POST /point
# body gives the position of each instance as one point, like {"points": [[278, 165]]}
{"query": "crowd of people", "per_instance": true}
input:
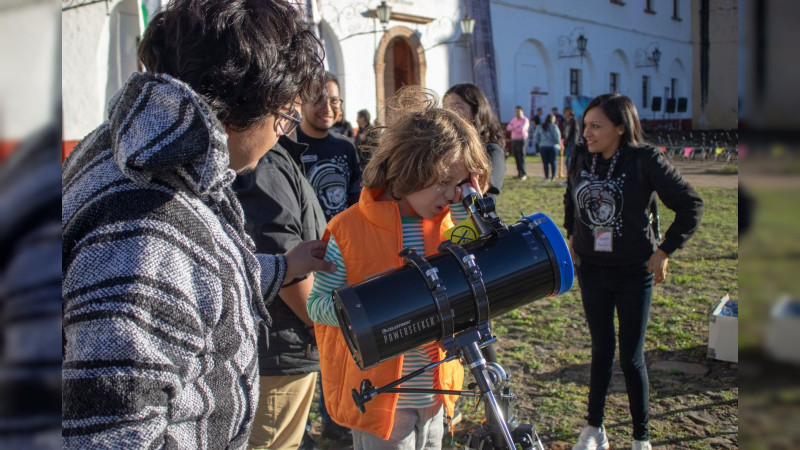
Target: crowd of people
{"points": [[553, 136], [207, 221]]}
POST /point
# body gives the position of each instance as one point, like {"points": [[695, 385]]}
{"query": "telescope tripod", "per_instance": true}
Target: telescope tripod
{"points": [[500, 429]]}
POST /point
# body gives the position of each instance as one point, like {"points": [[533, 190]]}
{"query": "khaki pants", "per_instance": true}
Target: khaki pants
{"points": [[282, 411]]}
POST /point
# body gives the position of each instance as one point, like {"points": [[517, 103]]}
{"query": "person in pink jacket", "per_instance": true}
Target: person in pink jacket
{"points": [[519, 134]]}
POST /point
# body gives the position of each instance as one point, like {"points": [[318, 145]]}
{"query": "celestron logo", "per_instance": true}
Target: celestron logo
{"points": [[407, 328]]}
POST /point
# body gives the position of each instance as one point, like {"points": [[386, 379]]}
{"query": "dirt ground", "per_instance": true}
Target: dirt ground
{"points": [[698, 173]]}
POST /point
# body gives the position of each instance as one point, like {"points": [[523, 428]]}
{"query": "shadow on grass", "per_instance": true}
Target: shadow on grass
{"points": [[706, 388], [682, 441], [673, 417], [707, 382]]}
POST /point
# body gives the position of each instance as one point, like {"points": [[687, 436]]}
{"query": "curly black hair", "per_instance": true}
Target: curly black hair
{"points": [[246, 58]]}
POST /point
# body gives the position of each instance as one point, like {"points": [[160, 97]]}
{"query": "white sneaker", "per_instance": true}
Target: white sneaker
{"points": [[641, 445], [592, 438]]}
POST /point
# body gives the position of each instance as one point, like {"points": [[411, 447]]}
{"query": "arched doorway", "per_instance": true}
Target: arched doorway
{"points": [[400, 62]]}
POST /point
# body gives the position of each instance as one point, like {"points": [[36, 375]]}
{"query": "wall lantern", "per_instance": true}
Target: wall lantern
{"points": [[648, 57], [656, 56], [581, 43], [573, 45], [467, 25], [384, 13]]}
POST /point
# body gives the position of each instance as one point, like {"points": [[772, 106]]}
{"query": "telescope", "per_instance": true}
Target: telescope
{"points": [[386, 316], [451, 297]]}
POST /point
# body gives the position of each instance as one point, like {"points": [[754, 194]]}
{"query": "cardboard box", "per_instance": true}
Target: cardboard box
{"points": [[783, 331], [723, 334]]}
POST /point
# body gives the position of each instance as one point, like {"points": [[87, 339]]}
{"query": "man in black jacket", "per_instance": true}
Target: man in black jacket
{"points": [[281, 209]]}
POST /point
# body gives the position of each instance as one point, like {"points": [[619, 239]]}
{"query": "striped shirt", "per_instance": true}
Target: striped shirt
{"points": [[321, 309]]}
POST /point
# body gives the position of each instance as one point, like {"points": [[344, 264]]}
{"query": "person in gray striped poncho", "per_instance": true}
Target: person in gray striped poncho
{"points": [[162, 293]]}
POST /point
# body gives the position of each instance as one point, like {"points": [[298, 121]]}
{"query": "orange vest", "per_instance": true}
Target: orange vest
{"points": [[370, 236]]}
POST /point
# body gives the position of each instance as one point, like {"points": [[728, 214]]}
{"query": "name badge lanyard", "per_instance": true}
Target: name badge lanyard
{"points": [[603, 236], [608, 176]]}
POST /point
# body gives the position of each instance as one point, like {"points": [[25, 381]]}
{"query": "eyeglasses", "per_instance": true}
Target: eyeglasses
{"points": [[291, 122], [335, 103]]}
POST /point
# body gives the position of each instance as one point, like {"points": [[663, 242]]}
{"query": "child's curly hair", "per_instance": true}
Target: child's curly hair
{"points": [[420, 142]]}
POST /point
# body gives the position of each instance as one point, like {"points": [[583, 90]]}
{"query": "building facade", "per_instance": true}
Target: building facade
{"points": [[640, 48], [99, 52], [418, 45], [533, 53], [715, 80]]}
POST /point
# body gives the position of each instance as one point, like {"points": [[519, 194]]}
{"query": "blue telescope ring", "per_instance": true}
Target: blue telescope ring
{"points": [[560, 249]]}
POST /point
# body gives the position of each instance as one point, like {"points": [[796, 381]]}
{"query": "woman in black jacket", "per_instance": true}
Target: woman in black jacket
{"points": [[619, 257], [470, 103]]}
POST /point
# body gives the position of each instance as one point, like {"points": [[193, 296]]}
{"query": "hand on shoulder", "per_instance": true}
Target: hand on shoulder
{"points": [[307, 257]]}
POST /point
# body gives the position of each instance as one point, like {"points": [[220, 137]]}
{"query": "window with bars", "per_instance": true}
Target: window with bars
{"points": [[574, 82], [613, 82]]}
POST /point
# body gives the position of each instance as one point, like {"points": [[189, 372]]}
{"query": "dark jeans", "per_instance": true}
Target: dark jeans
{"points": [[548, 160], [629, 290], [518, 150], [567, 156]]}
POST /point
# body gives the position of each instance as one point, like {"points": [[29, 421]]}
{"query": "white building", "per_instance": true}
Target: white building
{"points": [[99, 46], [534, 49], [536, 45], [421, 45]]}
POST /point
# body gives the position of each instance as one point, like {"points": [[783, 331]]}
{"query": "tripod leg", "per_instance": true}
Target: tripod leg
{"points": [[477, 365]]}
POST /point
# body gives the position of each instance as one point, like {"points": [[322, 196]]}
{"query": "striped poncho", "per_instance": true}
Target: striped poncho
{"points": [[162, 295]]}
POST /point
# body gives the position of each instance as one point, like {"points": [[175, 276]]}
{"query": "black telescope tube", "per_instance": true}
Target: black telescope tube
{"points": [[386, 316]]}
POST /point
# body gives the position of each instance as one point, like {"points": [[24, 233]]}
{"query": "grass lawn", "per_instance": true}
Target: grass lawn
{"points": [[546, 346]]}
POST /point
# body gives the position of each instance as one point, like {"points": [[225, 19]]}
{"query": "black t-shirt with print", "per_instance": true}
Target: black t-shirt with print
{"points": [[332, 167]]}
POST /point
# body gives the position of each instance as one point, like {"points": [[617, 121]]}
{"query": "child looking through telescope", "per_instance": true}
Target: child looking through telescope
{"points": [[413, 176]]}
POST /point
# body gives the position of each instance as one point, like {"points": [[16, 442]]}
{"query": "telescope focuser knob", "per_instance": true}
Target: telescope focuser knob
{"points": [[358, 401], [368, 391]]}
